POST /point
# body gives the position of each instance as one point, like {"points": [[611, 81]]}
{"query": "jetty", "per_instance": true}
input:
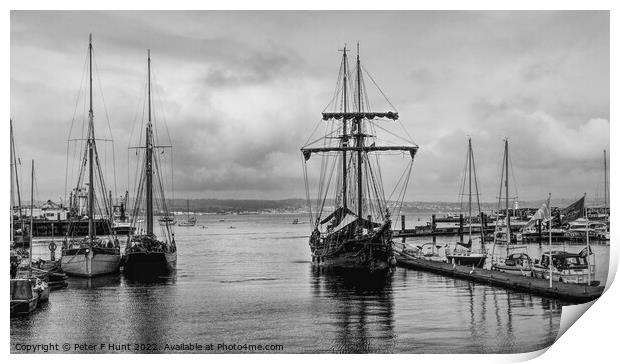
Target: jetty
{"points": [[573, 293], [431, 229]]}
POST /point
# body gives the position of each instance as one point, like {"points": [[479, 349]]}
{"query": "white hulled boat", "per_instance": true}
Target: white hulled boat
{"points": [[92, 255]]}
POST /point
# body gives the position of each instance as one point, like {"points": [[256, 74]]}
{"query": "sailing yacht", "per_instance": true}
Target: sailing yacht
{"points": [[27, 290], [466, 255], [191, 220], [92, 255], [503, 234], [357, 232], [19, 237], [148, 255]]}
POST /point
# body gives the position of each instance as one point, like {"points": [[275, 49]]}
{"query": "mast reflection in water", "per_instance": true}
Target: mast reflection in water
{"points": [[255, 284]]}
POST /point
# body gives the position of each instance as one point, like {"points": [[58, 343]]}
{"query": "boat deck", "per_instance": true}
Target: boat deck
{"points": [[574, 293]]}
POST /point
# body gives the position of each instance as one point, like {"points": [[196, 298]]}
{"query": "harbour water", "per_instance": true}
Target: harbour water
{"points": [[248, 280]]}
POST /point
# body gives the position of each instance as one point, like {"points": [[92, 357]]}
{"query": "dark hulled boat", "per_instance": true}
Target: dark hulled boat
{"points": [[358, 232], [147, 255]]}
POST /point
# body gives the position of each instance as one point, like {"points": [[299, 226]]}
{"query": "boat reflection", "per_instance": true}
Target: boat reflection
{"points": [[112, 280], [362, 309], [138, 279], [152, 322]]}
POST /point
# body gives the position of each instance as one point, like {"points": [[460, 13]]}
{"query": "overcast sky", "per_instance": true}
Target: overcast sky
{"points": [[241, 92]]}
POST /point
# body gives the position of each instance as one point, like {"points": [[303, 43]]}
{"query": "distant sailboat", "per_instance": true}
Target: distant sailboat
{"points": [[167, 220], [190, 221], [147, 255], [91, 256], [466, 255]]}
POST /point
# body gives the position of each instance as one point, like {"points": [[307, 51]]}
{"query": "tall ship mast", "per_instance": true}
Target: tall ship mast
{"points": [[356, 232], [92, 255], [466, 255], [147, 255]]}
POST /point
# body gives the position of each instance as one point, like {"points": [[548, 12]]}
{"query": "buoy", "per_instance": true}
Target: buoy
{"points": [[52, 248]]}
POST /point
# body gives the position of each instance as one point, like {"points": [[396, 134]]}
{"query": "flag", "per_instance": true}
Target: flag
{"points": [[543, 213], [574, 211], [587, 251]]}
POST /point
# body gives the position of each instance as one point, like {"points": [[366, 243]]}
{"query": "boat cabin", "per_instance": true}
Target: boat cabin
{"points": [[567, 267]]}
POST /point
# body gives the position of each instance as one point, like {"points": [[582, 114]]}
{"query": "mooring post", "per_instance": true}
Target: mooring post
{"points": [[402, 222], [539, 231], [433, 223], [461, 224]]}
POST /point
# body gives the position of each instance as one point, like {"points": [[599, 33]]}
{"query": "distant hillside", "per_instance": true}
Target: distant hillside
{"points": [[299, 205], [239, 206]]}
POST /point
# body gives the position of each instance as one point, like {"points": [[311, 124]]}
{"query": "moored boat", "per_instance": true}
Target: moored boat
{"points": [[357, 232], [147, 255], [19, 236], [517, 261], [465, 254], [27, 294], [27, 290], [566, 267], [91, 255], [426, 251], [167, 220]]}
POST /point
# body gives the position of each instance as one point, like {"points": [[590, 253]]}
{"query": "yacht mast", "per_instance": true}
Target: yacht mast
{"points": [[604, 168], [149, 158], [91, 147], [360, 137], [14, 172], [469, 156], [508, 240], [31, 214], [344, 129]]}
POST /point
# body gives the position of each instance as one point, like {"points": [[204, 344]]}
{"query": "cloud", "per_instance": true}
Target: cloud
{"points": [[240, 92]]}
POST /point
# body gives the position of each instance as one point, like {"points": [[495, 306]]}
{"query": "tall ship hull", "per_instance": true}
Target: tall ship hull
{"points": [[150, 264], [91, 262], [371, 251]]}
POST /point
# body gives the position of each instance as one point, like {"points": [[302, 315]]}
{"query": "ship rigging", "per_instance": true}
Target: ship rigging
{"points": [[357, 232]]}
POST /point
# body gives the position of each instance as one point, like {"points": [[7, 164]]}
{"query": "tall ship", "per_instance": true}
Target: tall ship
{"points": [[351, 217], [466, 255], [148, 255], [93, 254]]}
